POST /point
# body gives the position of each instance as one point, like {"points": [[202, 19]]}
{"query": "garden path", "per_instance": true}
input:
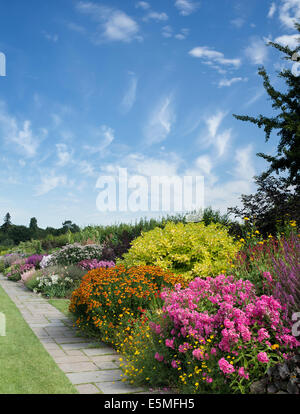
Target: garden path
{"points": [[92, 367]]}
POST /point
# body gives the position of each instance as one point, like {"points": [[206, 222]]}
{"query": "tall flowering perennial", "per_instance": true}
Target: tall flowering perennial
{"points": [[109, 300], [286, 275], [34, 260], [274, 267], [221, 334]]}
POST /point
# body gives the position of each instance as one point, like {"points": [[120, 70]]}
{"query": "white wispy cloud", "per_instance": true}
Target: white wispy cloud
{"points": [[50, 181], [204, 163], [63, 154], [225, 192], [130, 95], [76, 27], [20, 135], [167, 31], [182, 35], [292, 41], [51, 37], [272, 10], [244, 168], [104, 135], [146, 165], [257, 51], [213, 122], [153, 15], [229, 82], [186, 7], [142, 5], [238, 22], [257, 95], [222, 141], [113, 24], [289, 13], [86, 168], [212, 56], [218, 140], [160, 123]]}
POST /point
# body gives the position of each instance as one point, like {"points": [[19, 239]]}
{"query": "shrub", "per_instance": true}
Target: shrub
{"points": [[75, 273], [14, 273], [189, 249], [12, 258], [75, 253], [108, 300], [17, 269], [55, 281], [214, 336], [32, 282], [54, 285]]}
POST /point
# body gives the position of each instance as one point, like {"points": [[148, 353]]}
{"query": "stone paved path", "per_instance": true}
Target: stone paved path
{"points": [[92, 367]]}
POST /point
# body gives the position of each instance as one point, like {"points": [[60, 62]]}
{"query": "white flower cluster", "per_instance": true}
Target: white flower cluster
{"points": [[45, 261], [74, 253], [47, 281]]}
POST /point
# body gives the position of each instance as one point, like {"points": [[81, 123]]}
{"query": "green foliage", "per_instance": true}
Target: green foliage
{"points": [[271, 207], [191, 249], [33, 227], [28, 247], [55, 281], [286, 122], [32, 282], [15, 272], [2, 265]]}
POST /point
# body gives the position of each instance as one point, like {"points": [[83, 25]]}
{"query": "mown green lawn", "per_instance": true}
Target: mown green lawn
{"points": [[25, 366]]}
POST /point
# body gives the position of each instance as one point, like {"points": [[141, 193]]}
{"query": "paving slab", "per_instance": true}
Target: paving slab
{"points": [[87, 389], [118, 387], [95, 376], [78, 367], [99, 351]]}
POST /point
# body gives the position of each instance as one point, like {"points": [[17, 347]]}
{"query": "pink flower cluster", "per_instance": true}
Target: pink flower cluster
{"points": [[90, 264], [228, 311]]}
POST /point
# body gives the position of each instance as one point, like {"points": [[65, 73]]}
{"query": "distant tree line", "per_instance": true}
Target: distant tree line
{"points": [[12, 234]]}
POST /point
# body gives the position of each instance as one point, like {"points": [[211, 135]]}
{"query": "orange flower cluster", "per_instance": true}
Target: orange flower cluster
{"points": [[110, 300]]}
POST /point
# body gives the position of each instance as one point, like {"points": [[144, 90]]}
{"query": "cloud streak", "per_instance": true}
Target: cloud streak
{"points": [[186, 7], [161, 121], [113, 24], [211, 56]]}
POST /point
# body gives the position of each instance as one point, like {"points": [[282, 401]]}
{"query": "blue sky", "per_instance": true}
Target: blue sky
{"points": [[92, 86]]}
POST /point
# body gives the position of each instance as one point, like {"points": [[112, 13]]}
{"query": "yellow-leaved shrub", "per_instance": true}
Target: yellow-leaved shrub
{"points": [[193, 249]]}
